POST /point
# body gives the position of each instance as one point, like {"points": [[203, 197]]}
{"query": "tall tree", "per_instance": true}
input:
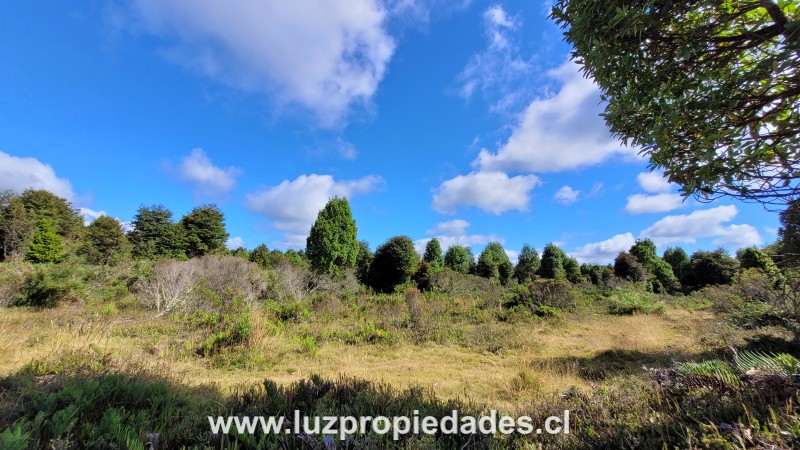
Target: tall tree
{"points": [[433, 255], [494, 263], [552, 262], [332, 246], [627, 267], [710, 268], [459, 258], [203, 231], [708, 89], [527, 264], [394, 263], [67, 221], [46, 246], [260, 256], [363, 262], [105, 242], [662, 278], [677, 258], [789, 234], [17, 226], [154, 234]]}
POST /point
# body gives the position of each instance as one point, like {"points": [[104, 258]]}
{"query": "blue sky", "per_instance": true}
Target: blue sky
{"points": [[462, 120]]}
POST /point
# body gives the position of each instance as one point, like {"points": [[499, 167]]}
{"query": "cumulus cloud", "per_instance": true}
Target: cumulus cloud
{"points": [[234, 242], [566, 195], [454, 232], [642, 203], [292, 206], [498, 71], [492, 192], [654, 182], [90, 215], [323, 55], [707, 223], [558, 133], [604, 252], [18, 174], [208, 179]]}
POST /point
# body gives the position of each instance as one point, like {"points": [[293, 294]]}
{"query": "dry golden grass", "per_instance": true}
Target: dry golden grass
{"points": [[544, 357]]}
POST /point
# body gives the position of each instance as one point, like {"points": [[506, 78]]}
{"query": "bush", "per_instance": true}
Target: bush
{"points": [[225, 322], [546, 293], [628, 302], [173, 283], [12, 281], [48, 285]]}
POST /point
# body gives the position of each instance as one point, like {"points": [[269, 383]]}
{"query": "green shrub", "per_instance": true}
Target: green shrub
{"points": [[626, 302], [550, 293], [48, 285], [225, 325]]}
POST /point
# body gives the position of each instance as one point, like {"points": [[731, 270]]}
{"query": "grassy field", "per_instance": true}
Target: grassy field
{"points": [[472, 350]]}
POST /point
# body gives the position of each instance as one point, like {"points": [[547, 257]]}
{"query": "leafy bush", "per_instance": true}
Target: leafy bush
{"points": [[48, 285], [225, 322], [628, 302], [548, 293]]}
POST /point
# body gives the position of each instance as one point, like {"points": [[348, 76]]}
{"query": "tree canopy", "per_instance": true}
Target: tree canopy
{"points": [[203, 231], [459, 258], [709, 90], [433, 255], [394, 263], [332, 245], [494, 263]]}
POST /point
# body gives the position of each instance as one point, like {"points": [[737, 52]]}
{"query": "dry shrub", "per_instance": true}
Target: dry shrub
{"points": [[756, 286], [460, 285], [12, 280], [170, 287], [289, 283], [551, 293], [174, 283]]}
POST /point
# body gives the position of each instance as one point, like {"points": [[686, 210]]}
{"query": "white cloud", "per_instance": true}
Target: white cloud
{"points": [[492, 192], [90, 215], [604, 252], [558, 133], [292, 206], [703, 224], [738, 236], [324, 55], [498, 71], [346, 149], [207, 178], [234, 243], [566, 195], [454, 232], [654, 182], [18, 174], [642, 203], [513, 255]]}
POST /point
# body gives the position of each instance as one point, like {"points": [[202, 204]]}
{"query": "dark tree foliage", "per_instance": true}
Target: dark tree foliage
{"points": [[394, 263], [552, 262], [363, 262], [17, 225], [47, 245], [105, 242], [154, 234], [712, 268], [572, 270], [433, 255], [240, 252], [708, 89], [594, 273], [459, 259], [789, 234], [332, 245], [527, 264], [67, 221], [627, 267], [203, 231], [260, 256], [662, 278], [494, 263], [755, 258], [677, 258]]}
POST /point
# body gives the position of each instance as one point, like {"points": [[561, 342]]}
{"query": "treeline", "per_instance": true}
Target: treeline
{"points": [[42, 228]]}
